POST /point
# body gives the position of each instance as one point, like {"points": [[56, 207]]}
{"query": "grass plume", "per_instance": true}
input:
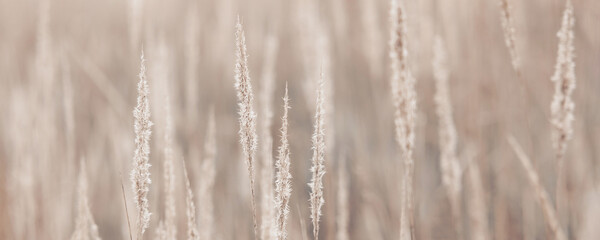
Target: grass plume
{"points": [[508, 26], [283, 182], [562, 106], [140, 174], [404, 99], [248, 138], [318, 162]]}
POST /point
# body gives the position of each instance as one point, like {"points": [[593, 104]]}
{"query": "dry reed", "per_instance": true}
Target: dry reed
{"points": [[140, 174], [248, 138], [562, 106], [404, 99], [283, 183], [564, 83], [318, 162], [449, 164]]}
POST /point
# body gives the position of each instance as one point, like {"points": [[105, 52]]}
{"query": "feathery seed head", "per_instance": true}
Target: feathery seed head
{"points": [[508, 26], [283, 182], [140, 174], [248, 138], [450, 166], [318, 162], [562, 106]]}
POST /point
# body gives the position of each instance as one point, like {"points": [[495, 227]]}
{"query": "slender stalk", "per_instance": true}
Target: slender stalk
{"points": [[542, 196], [404, 99], [140, 174], [283, 183], [248, 138], [450, 167], [318, 162]]}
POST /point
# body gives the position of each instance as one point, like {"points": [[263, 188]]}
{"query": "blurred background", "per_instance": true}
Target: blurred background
{"points": [[68, 74]]}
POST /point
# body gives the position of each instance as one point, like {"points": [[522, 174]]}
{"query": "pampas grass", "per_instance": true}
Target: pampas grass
{"points": [[542, 196], [140, 174], [318, 162], [283, 183], [405, 103], [248, 138]]}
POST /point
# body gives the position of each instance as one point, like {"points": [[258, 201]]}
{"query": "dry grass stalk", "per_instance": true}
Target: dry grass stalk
{"points": [[266, 139], [283, 183], [343, 210], [169, 174], [404, 99], [508, 26], [562, 106], [140, 174], [126, 209], [564, 83], [135, 22], [318, 162], [207, 180], [478, 218], [449, 164], [542, 196], [85, 227], [192, 233], [248, 138]]}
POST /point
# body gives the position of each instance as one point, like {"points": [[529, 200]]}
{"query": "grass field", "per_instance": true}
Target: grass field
{"points": [[300, 119]]}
